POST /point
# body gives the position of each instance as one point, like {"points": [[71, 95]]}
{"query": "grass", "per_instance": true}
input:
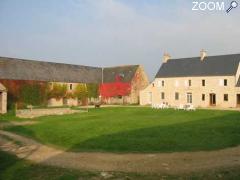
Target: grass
{"points": [[10, 116], [12, 168], [137, 129]]}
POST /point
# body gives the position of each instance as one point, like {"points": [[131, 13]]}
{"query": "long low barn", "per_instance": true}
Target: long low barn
{"points": [[21, 70]]}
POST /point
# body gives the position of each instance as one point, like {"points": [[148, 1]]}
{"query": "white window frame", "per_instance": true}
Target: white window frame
{"points": [[189, 98], [176, 83], [221, 82]]}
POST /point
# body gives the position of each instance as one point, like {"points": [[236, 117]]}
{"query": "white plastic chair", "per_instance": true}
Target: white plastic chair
{"points": [[191, 108], [181, 107]]}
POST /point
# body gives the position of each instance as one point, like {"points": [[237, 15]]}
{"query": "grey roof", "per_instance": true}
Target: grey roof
{"points": [[211, 66], [126, 72], [20, 69]]}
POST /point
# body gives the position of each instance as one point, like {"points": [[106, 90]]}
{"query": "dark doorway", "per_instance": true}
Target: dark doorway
{"points": [[212, 99], [238, 100]]}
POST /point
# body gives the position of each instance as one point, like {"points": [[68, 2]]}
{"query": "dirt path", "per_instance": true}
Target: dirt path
{"points": [[16, 123], [170, 163]]}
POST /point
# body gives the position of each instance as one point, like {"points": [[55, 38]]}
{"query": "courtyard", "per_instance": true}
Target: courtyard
{"points": [[135, 142], [137, 129]]}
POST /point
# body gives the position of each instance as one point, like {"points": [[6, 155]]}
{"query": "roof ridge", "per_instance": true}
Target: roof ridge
{"points": [[206, 56], [122, 66], [41, 61]]}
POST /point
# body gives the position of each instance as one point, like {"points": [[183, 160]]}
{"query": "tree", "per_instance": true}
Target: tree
{"points": [[81, 91], [57, 91], [93, 90]]}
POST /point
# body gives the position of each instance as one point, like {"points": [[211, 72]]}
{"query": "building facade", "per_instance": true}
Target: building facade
{"points": [[16, 72], [122, 84], [201, 81], [3, 99]]}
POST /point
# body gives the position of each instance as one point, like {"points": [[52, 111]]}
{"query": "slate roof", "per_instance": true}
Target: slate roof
{"points": [[211, 66], [20, 69], [126, 72]]}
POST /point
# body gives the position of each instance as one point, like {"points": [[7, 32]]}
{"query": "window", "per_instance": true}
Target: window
{"points": [[153, 85], [225, 97], [220, 82], [176, 83], [189, 98], [203, 97], [185, 83], [162, 95], [70, 86], [225, 82], [162, 83], [176, 96], [203, 82], [189, 83]]}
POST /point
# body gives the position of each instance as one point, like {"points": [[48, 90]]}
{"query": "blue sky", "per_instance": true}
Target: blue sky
{"points": [[114, 32]]}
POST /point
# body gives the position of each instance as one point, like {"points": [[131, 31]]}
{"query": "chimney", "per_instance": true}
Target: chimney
{"points": [[203, 54], [166, 57]]}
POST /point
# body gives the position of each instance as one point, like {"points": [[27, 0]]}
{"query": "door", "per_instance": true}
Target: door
{"points": [[238, 100], [212, 99]]}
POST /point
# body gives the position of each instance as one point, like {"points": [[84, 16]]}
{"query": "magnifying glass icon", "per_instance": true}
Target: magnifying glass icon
{"points": [[233, 4]]}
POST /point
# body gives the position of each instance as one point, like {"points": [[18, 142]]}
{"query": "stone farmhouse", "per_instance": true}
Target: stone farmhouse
{"points": [[203, 81], [14, 70]]}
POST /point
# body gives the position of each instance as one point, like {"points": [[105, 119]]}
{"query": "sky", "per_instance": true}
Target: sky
{"points": [[115, 32]]}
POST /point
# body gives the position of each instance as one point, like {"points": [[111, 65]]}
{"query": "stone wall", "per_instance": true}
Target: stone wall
{"points": [[138, 83], [3, 102], [27, 113]]}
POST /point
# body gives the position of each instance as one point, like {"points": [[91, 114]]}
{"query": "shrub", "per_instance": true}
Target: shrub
{"points": [[22, 92], [32, 94], [81, 91], [93, 90], [57, 91]]}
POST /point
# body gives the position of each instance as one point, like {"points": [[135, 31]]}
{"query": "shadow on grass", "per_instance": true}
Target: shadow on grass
{"points": [[205, 134]]}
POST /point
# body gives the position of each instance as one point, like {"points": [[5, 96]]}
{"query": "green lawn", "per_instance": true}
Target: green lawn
{"points": [[135, 129], [10, 116], [13, 168]]}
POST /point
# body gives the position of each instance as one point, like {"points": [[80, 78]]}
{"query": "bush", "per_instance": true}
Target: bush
{"points": [[93, 90], [31, 94], [22, 92], [57, 91], [81, 91]]}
